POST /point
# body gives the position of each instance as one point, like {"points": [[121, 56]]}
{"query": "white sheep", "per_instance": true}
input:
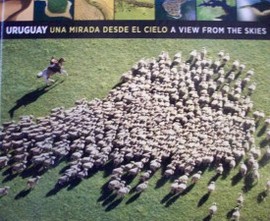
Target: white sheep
{"points": [[181, 188], [32, 182], [240, 200], [196, 177], [122, 191], [213, 209], [267, 188], [236, 214], [243, 169], [220, 169], [4, 191], [211, 187], [142, 186], [255, 175]]}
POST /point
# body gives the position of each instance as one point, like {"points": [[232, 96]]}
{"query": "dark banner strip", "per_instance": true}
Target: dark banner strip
{"points": [[136, 29]]}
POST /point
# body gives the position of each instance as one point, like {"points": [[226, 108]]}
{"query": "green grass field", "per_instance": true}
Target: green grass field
{"points": [[126, 11], [94, 67], [210, 13]]}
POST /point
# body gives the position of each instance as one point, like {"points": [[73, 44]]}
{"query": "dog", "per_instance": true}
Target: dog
{"points": [[56, 66]]}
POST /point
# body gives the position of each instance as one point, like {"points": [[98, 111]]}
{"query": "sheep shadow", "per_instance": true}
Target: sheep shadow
{"points": [[264, 143], [105, 192], [214, 178], [236, 178], [9, 176], [161, 182], [32, 171], [229, 214], [203, 200], [74, 183], [172, 200], [248, 183], [264, 160], [133, 198], [107, 169], [57, 188], [226, 172], [207, 218], [188, 189], [261, 196], [113, 205], [109, 199], [166, 198], [22, 194], [262, 131], [31, 97]]}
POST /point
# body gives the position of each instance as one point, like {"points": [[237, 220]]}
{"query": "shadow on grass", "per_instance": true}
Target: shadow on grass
{"points": [[74, 183], [172, 200], [105, 192], [264, 160], [8, 175], [261, 196], [33, 171], [133, 198], [22, 194], [109, 199], [161, 182], [166, 198], [264, 143], [249, 183], [262, 131], [214, 178], [229, 214], [207, 218], [204, 198], [113, 205], [236, 178], [31, 97], [56, 189], [107, 169]]}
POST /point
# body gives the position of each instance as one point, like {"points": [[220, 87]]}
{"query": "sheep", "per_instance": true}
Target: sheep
{"points": [[240, 200], [211, 187], [181, 188], [184, 178], [196, 177], [219, 169], [4, 191], [63, 179], [267, 188], [268, 135], [4, 161], [146, 175], [113, 184], [255, 175], [168, 172], [142, 187], [236, 214], [154, 165], [243, 169], [18, 167], [32, 182], [121, 192], [213, 209]]}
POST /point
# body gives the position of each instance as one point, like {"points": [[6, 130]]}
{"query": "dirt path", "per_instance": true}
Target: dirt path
{"points": [[86, 11], [105, 6]]}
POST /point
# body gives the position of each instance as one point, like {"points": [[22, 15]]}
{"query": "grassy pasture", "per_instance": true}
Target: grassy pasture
{"points": [[127, 11], [94, 67]]}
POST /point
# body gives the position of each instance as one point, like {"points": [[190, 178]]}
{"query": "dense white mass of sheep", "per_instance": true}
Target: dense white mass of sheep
{"points": [[189, 114]]}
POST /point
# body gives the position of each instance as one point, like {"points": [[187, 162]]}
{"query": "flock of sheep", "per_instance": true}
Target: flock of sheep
{"points": [[170, 113]]}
